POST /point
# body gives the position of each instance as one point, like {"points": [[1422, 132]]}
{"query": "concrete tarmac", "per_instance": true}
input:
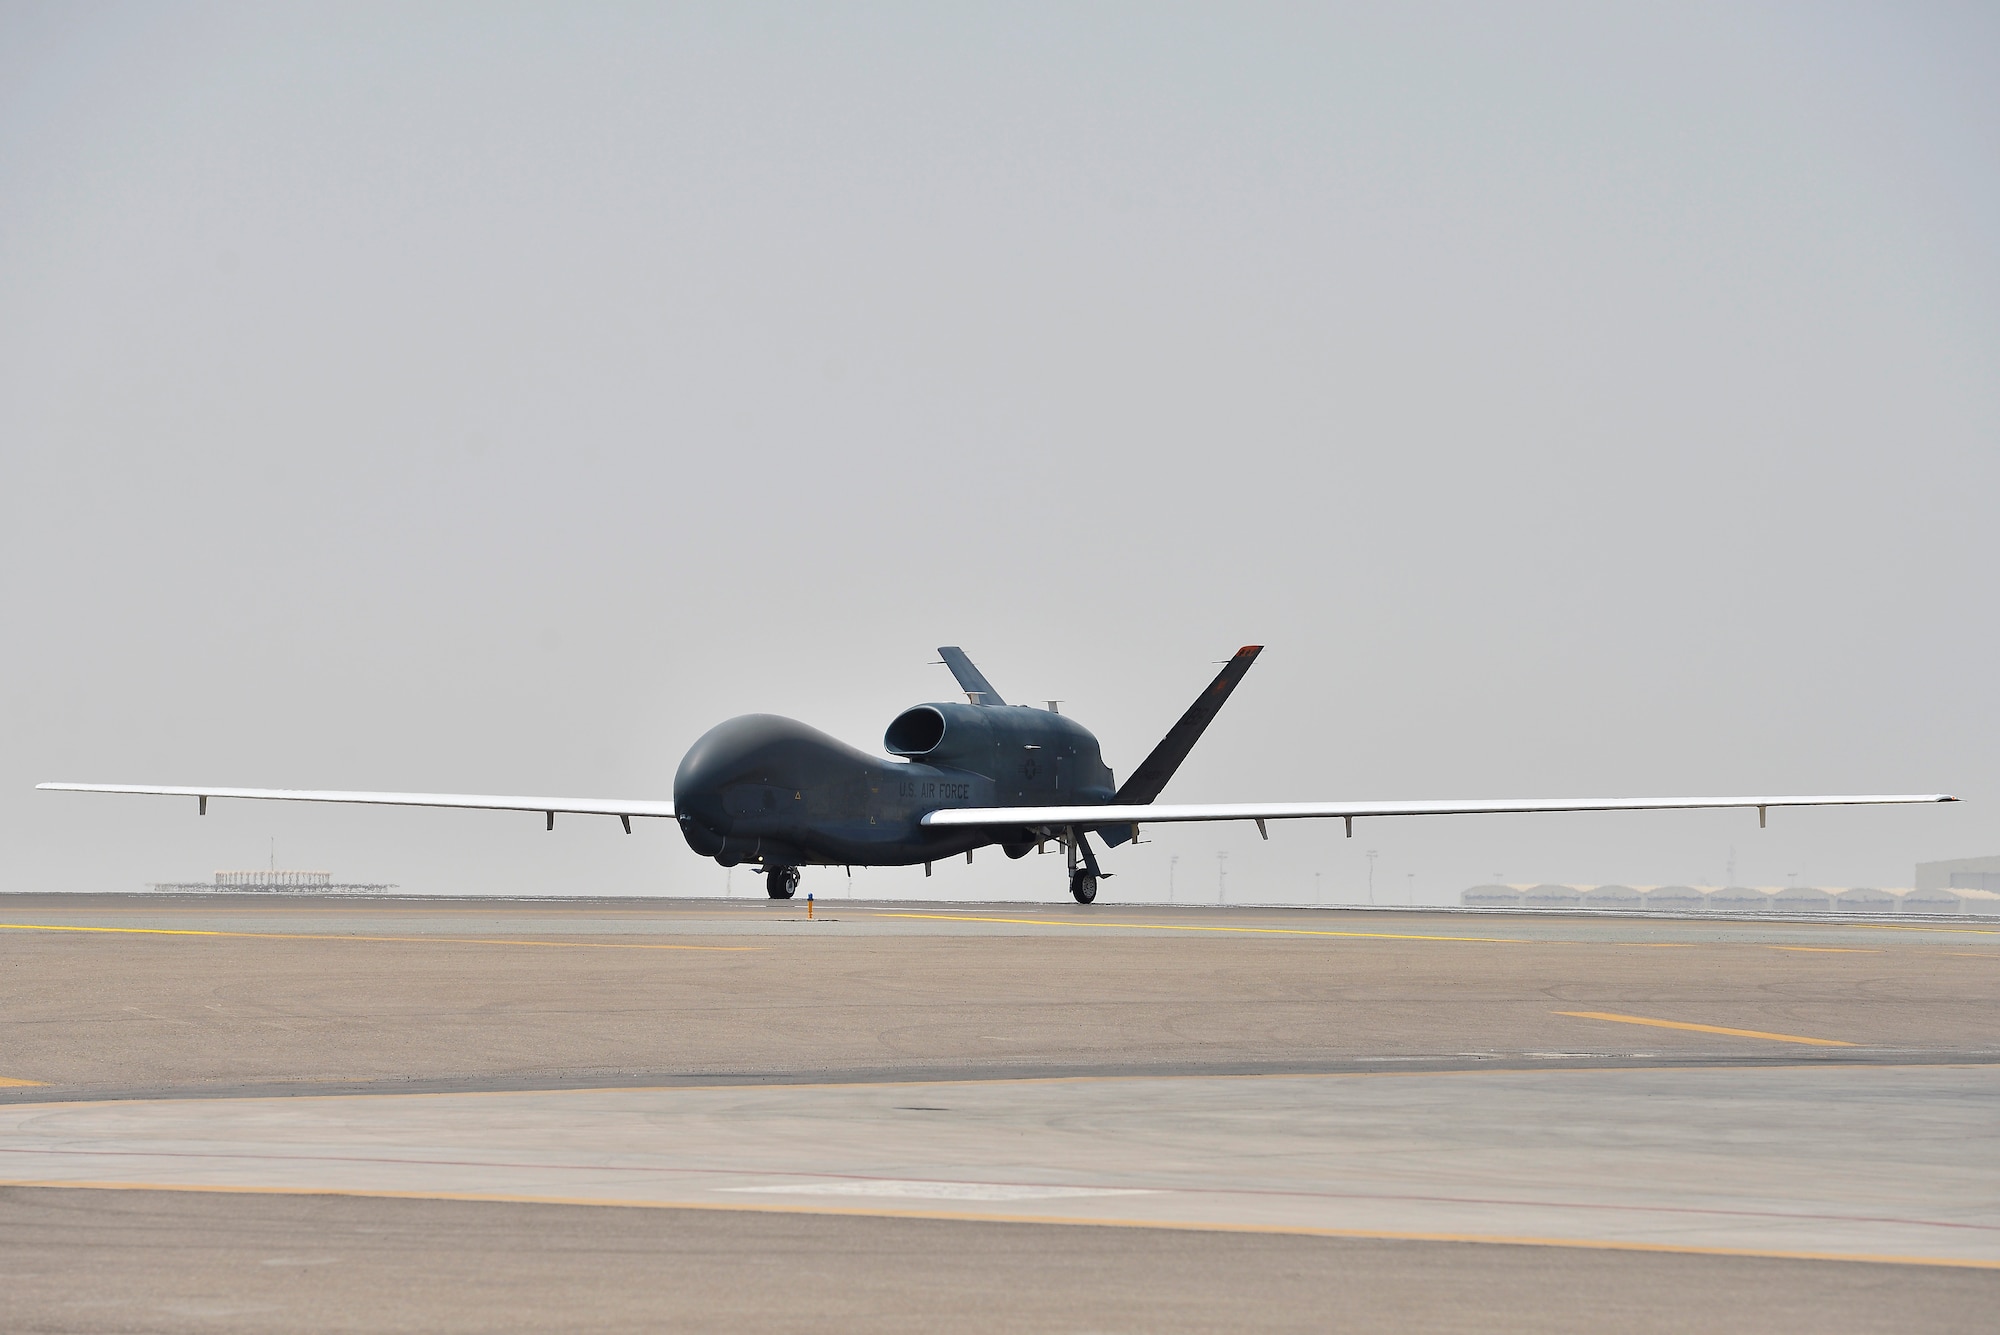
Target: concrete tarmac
{"points": [[1390, 1120]]}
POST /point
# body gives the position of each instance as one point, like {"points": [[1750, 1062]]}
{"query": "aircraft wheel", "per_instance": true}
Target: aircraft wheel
{"points": [[1083, 885], [781, 882]]}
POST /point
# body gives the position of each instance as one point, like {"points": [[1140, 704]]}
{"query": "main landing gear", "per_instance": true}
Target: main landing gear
{"points": [[1082, 879], [781, 882]]}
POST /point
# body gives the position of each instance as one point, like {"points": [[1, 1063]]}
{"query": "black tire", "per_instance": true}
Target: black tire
{"points": [[1083, 885], [781, 882]]}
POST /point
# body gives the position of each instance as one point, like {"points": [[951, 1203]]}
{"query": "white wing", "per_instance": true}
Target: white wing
{"points": [[1263, 811], [586, 806]]}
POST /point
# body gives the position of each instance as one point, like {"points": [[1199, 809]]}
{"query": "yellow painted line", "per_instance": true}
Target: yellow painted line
{"points": [[994, 1217], [1829, 950], [1705, 1028], [6, 1083], [1192, 927], [332, 936]]}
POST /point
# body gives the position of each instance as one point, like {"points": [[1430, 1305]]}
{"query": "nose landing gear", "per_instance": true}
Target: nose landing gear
{"points": [[781, 882]]}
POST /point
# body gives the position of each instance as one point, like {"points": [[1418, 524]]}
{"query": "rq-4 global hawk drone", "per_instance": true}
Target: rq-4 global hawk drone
{"points": [[775, 792]]}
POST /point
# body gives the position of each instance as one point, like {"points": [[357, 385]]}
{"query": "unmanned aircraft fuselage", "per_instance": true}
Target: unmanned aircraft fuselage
{"points": [[771, 790]]}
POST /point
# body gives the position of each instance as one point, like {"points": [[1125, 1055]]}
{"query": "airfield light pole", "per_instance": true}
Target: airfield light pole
{"points": [[1372, 855], [1315, 889], [1221, 877], [1410, 893], [1172, 858]]}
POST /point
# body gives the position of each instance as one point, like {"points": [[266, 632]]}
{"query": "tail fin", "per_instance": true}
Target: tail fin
{"points": [[1146, 781], [970, 679]]}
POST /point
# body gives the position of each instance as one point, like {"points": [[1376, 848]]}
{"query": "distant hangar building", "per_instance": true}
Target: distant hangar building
{"points": [[272, 881], [1960, 874], [1676, 899], [1801, 899], [1968, 895]]}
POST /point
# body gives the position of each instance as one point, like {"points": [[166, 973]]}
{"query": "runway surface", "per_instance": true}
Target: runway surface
{"points": [[723, 1115]]}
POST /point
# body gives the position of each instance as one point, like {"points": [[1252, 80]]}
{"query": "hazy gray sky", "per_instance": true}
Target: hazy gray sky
{"points": [[1575, 399]]}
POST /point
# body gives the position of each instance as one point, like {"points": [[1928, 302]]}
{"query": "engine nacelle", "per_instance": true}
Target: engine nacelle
{"points": [[967, 737], [1028, 753]]}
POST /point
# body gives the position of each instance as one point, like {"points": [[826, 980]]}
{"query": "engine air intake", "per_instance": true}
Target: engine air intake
{"points": [[914, 732]]}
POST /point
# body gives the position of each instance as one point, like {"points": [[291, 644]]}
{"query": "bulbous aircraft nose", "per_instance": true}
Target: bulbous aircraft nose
{"points": [[719, 757], [725, 754], [756, 749]]}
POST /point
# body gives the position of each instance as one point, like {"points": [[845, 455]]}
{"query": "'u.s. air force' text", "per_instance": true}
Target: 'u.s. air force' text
{"points": [[934, 790]]}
